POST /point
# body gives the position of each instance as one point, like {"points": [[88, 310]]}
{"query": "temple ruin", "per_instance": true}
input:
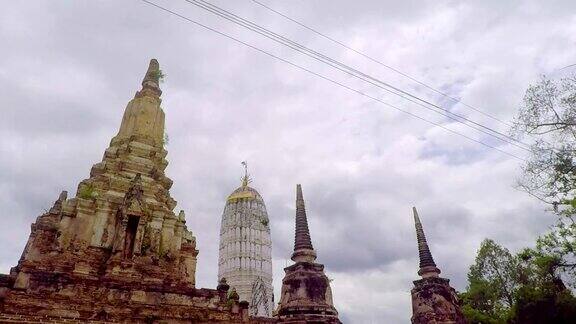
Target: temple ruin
{"points": [[117, 252], [306, 295], [433, 300]]}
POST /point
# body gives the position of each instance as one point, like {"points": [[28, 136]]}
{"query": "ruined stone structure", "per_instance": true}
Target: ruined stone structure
{"points": [[433, 300], [306, 296], [117, 251], [245, 259]]}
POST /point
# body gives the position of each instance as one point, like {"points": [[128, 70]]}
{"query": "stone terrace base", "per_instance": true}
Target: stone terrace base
{"points": [[83, 301]]}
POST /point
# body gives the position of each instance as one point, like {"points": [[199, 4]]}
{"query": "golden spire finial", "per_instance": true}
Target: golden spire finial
{"points": [[246, 178]]}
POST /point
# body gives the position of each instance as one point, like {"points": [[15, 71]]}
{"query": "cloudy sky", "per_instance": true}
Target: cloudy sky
{"points": [[68, 68]]}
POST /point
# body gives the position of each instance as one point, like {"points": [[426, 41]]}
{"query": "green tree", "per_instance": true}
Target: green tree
{"points": [[530, 287], [548, 117], [519, 289], [492, 283], [547, 302], [555, 252]]}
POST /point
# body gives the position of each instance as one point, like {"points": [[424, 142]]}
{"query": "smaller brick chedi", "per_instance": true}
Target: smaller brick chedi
{"points": [[434, 301], [306, 296], [117, 252]]}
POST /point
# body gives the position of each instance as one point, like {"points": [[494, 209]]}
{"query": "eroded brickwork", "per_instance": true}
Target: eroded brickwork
{"points": [[433, 300], [117, 252], [306, 295]]}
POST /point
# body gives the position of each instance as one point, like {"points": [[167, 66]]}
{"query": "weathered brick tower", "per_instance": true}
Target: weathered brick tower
{"points": [[245, 256], [117, 251], [433, 300], [306, 296]]}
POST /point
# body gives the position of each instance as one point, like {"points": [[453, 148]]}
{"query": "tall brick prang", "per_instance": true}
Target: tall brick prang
{"points": [[117, 251]]}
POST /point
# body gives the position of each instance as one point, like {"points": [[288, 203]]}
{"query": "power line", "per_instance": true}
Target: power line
{"points": [[327, 78], [422, 83], [353, 72], [380, 63], [571, 65]]}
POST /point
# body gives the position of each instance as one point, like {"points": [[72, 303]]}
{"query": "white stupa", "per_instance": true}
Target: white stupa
{"points": [[245, 258]]}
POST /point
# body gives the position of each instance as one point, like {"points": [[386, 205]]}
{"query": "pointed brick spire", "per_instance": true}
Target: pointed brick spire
{"points": [[151, 81], [302, 238], [427, 266], [143, 116], [303, 250]]}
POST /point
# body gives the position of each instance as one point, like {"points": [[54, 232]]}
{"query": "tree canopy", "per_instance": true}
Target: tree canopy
{"points": [[547, 117], [534, 285]]}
